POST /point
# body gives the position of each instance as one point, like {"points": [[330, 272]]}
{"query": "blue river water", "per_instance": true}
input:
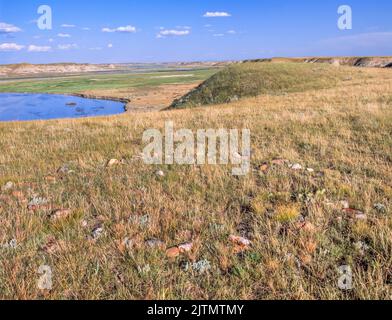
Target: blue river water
{"points": [[25, 107]]}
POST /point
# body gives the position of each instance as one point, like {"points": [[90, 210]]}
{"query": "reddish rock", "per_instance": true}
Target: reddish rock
{"points": [[173, 252]]}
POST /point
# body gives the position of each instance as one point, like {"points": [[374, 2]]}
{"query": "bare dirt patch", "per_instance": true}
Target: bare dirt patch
{"points": [[147, 98]]}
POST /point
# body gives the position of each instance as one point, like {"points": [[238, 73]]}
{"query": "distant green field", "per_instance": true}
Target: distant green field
{"points": [[75, 84]]}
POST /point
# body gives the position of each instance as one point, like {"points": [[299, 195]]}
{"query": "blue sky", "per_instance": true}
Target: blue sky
{"points": [[157, 31]]}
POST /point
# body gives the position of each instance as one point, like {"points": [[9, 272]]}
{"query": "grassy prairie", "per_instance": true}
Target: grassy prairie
{"points": [[299, 233]]}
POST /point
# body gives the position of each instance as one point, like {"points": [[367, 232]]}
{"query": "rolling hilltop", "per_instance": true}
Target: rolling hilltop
{"points": [[276, 77]]}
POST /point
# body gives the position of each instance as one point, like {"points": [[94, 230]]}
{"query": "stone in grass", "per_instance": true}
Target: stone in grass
{"points": [[264, 168], [173, 252], [63, 170], [97, 232], [295, 166], [155, 243], [200, 267], [12, 244], [186, 247], [8, 186], [112, 162], [37, 203], [355, 214], [240, 240], [159, 173], [241, 244], [380, 208], [345, 204]]}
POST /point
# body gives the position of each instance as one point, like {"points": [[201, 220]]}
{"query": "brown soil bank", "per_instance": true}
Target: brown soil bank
{"points": [[370, 62]]}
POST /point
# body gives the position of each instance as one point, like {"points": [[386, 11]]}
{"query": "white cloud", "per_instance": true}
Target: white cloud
{"points": [[86, 29], [64, 35], [232, 32], [50, 40], [110, 45], [33, 48], [8, 28], [126, 29], [219, 35], [68, 25], [10, 47], [216, 14], [173, 33], [67, 46]]}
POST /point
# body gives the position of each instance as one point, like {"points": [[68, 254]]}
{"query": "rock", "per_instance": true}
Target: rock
{"points": [[264, 168], [311, 170], [8, 186], [173, 252], [361, 216], [97, 232], [84, 224], [380, 208], [64, 170], [155, 243], [355, 214], [186, 247], [345, 204], [200, 267], [112, 162], [38, 203], [160, 173], [295, 166], [240, 240], [60, 214], [241, 244], [12, 244], [71, 104]]}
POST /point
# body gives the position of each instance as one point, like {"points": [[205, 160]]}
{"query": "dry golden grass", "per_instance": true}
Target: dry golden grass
{"points": [[343, 133]]}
